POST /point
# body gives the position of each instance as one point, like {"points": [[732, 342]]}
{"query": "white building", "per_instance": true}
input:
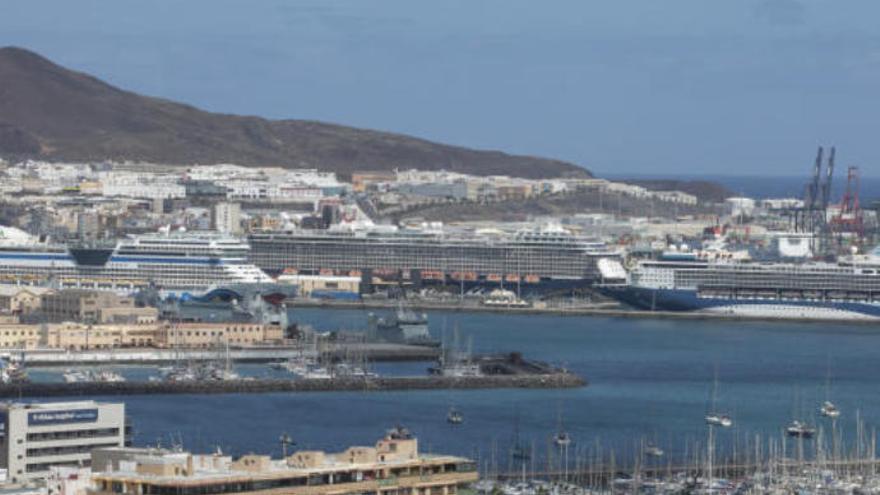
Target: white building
{"points": [[740, 206], [272, 191], [141, 185], [309, 284], [34, 437], [794, 244], [627, 189], [781, 203], [676, 197], [223, 171], [226, 218]]}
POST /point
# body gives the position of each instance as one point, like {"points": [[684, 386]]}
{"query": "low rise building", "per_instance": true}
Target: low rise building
{"points": [[361, 181], [393, 466], [21, 300], [315, 285], [675, 197], [76, 336], [34, 437], [93, 306], [208, 335], [81, 336], [740, 206], [17, 336]]}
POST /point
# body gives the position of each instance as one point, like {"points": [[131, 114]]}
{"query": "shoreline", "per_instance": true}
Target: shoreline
{"points": [[378, 352], [618, 312], [559, 380]]}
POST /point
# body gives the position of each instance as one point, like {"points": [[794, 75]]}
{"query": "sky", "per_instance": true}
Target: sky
{"points": [[642, 87]]}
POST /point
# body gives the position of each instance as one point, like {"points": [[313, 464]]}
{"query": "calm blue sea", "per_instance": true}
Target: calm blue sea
{"points": [[649, 380]]}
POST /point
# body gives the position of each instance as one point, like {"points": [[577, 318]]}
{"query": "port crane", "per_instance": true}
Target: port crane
{"points": [[812, 217], [849, 218]]}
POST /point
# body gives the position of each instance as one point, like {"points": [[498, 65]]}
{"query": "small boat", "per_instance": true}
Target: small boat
{"points": [[562, 439], [180, 374], [829, 410], [348, 370], [12, 372], [722, 420], [504, 298], [107, 376], [714, 418], [800, 430], [454, 417], [653, 451], [315, 372], [75, 376], [92, 376]]}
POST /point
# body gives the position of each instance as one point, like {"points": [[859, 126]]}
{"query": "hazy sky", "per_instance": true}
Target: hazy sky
{"points": [[620, 86]]}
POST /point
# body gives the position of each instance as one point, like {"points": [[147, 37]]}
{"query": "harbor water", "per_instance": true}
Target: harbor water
{"points": [[650, 380]]}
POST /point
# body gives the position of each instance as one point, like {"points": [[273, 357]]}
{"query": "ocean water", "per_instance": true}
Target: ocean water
{"points": [[650, 380]]}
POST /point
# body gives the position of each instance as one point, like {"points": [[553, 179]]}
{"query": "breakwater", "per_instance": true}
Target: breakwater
{"points": [[256, 386], [378, 352], [603, 309]]}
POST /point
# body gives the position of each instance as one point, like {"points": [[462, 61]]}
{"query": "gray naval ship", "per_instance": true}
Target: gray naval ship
{"points": [[404, 326], [245, 303]]}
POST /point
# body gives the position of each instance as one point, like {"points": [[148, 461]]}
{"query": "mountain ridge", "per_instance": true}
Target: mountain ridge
{"points": [[50, 112]]}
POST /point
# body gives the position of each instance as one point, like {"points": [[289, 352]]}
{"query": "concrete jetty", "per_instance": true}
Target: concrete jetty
{"points": [[256, 386], [603, 309], [377, 352]]}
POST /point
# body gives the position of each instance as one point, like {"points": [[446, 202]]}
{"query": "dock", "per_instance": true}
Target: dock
{"points": [[375, 352], [603, 309], [257, 386]]}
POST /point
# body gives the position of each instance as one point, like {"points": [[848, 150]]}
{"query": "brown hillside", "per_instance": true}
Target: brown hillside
{"points": [[50, 112]]}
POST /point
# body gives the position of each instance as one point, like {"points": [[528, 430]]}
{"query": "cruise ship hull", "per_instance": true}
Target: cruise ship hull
{"points": [[689, 300], [172, 264]]}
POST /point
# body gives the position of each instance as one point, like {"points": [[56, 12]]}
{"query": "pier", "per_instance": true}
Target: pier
{"points": [[256, 386], [599, 309], [377, 352]]}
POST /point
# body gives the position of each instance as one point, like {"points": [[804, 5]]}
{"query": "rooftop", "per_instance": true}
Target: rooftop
{"points": [[51, 406], [12, 290], [163, 466]]}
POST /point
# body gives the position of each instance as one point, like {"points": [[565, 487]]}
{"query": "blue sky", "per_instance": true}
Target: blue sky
{"points": [[623, 86]]}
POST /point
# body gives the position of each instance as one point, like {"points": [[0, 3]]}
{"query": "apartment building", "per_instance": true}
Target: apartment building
{"points": [[393, 466], [34, 437]]}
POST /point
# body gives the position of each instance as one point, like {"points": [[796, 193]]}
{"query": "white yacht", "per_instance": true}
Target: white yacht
{"points": [[829, 410], [716, 419], [800, 429]]}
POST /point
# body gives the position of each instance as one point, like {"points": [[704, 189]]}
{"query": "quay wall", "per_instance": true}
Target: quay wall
{"points": [[245, 386], [610, 310], [371, 351]]}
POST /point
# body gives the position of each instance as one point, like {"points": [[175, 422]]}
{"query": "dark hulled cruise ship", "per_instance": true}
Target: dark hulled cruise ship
{"points": [[847, 289], [548, 255]]}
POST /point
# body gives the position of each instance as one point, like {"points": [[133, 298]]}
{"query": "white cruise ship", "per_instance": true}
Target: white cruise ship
{"points": [[847, 289], [173, 262]]}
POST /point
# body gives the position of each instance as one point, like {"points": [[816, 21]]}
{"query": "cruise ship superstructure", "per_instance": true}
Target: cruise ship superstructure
{"points": [[531, 256], [171, 262], [847, 289]]}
